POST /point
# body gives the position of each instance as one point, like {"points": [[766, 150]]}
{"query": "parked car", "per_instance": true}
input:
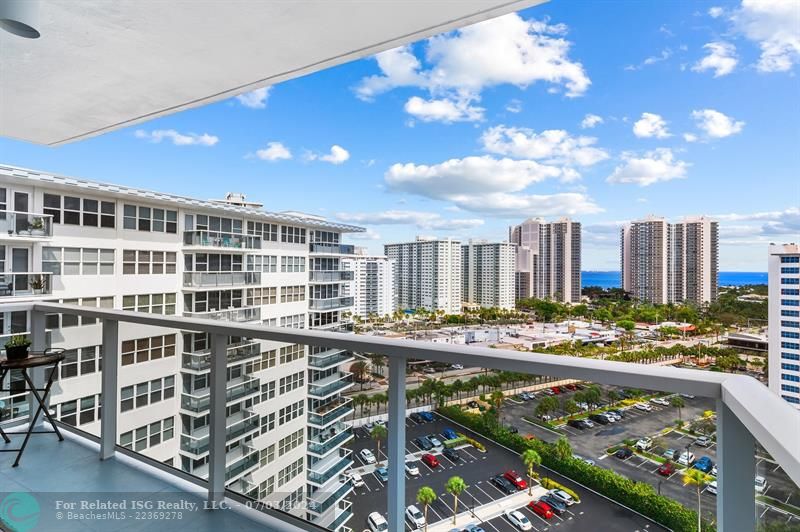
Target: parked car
{"points": [[430, 460], [355, 479], [687, 395], [518, 520], [549, 392], [714, 470], [669, 454], [597, 418], [427, 416], [504, 485], [703, 441], [423, 443], [515, 479], [704, 464], [582, 405], [542, 509], [367, 456], [623, 453], [412, 469], [644, 444], [472, 528], [435, 442], [377, 523], [456, 366], [546, 417], [712, 487], [576, 423], [415, 517], [449, 434], [570, 387], [556, 505], [582, 459], [588, 424], [416, 418], [666, 469], [381, 422], [429, 370], [580, 386], [644, 407], [612, 416], [686, 458], [761, 484], [383, 474], [452, 455], [659, 401], [512, 429], [556, 390], [619, 413], [473, 404], [563, 496]]}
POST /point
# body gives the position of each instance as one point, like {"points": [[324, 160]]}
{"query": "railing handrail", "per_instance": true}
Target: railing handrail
{"points": [[37, 214], [771, 420], [26, 273]]}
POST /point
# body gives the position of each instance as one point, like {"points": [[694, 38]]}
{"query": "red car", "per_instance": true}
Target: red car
{"points": [[666, 469], [571, 387], [542, 509], [556, 390], [515, 479], [430, 460]]}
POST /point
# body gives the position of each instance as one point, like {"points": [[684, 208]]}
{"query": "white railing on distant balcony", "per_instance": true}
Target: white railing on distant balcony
{"points": [[239, 314], [237, 389], [219, 239], [201, 360], [332, 249], [746, 410], [220, 279], [330, 276], [25, 225], [22, 284], [331, 303]]}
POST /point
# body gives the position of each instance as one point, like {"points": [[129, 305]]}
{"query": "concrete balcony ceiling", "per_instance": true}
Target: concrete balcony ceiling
{"points": [[99, 66]]}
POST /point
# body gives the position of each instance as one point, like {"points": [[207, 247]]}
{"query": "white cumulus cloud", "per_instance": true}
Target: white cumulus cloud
{"points": [[775, 26], [337, 155], [651, 125], [255, 99], [589, 121], [178, 139], [721, 59], [275, 151], [651, 167], [514, 106], [715, 124], [445, 110], [690, 137], [715, 12]]}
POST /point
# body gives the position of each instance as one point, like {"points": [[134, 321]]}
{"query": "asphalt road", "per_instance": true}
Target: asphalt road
{"points": [[592, 514]]}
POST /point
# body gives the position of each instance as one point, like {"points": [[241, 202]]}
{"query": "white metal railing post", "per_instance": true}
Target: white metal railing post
{"points": [[216, 418], [736, 465], [396, 494], [109, 397], [38, 343]]}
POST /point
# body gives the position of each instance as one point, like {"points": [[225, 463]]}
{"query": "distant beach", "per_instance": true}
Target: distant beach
{"points": [[611, 279]]}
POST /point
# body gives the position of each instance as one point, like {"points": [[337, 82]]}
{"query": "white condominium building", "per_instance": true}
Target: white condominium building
{"points": [[664, 263], [548, 263], [74, 241], [784, 321], [373, 284], [487, 274], [427, 274]]}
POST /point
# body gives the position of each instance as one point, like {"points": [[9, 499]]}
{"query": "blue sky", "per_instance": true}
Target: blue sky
{"points": [[605, 111]]}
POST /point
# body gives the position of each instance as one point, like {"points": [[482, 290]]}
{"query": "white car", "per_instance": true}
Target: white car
{"points": [[377, 523], [457, 366], [714, 470], [582, 459], [643, 407], [687, 395], [412, 469], [610, 417], [703, 441], [761, 484], [367, 456], [381, 422], [415, 516], [659, 401], [369, 425], [588, 423], [356, 480], [686, 459], [712, 487], [518, 519], [616, 417], [562, 496], [644, 444]]}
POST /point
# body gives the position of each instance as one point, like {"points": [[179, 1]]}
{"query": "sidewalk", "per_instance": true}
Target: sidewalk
{"points": [[488, 511]]}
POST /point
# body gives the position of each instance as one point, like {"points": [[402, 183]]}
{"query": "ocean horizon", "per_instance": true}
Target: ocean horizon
{"points": [[611, 279]]}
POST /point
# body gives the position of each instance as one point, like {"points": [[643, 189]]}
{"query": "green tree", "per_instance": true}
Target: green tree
{"points": [[359, 370], [531, 459], [379, 433], [425, 497], [698, 479], [571, 407], [562, 448], [455, 486], [612, 396], [677, 402], [497, 399]]}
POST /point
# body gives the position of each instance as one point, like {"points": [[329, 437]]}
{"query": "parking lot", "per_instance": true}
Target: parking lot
{"points": [[592, 514]]}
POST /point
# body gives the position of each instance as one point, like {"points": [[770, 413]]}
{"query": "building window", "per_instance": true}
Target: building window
{"points": [[790, 367], [291, 294], [149, 219], [262, 263], [790, 313], [290, 442], [268, 391], [790, 399], [78, 261], [147, 393], [790, 356], [267, 455], [790, 280], [289, 472], [291, 382], [789, 334], [790, 260], [62, 321], [790, 269], [149, 435], [152, 303], [296, 321], [291, 353], [268, 423], [293, 264], [792, 378], [793, 324], [80, 211], [290, 412], [790, 388], [266, 231], [790, 302], [146, 349], [265, 295], [293, 235], [140, 262]]}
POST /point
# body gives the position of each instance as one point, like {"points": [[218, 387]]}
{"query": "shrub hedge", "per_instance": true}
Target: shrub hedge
{"points": [[638, 496]]}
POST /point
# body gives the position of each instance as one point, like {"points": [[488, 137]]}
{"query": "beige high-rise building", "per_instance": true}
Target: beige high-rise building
{"points": [[487, 273], [670, 263], [548, 264]]}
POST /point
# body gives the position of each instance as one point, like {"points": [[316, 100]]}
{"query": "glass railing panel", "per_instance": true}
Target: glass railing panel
{"points": [[322, 501], [219, 239], [329, 276], [332, 303], [338, 249], [241, 314], [21, 284], [25, 225], [333, 470], [220, 279]]}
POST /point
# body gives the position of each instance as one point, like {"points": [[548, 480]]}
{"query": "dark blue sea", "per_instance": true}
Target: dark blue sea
{"points": [[611, 279]]}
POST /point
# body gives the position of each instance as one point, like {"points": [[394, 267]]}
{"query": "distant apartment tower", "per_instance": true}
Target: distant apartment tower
{"points": [[487, 274], [670, 263], [548, 261], [784, 321], [427, 274], [373, 284]]}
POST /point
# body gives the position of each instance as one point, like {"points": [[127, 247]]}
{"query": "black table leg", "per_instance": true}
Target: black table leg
{"points": [[40, 400]]}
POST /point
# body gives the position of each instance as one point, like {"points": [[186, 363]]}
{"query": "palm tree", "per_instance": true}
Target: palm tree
{"points": [[425, 496], [497, 398], [698, 479], [531, 459], [562, 448], [454, 486], [379, 433], [677, 402], [359, 369]]}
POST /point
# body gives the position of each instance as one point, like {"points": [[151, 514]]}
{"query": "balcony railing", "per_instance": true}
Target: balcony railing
{"points": [[217, 239], [21, 284], [326, 387], [240, 314], [332, 249], [238, 389], [329, 358], [330, 276], [326, 469], [746, 410], [238, 425], [25, 225], [330, 439], [201, 360], [329, 304], [220, 279]]}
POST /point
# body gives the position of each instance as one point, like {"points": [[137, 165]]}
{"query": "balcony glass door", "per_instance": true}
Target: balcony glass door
{"points": [[19, 264], [21, 201]]}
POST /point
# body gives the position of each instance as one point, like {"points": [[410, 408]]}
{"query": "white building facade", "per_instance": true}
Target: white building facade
{"points": [[73, 241], [427, 274], [373, 284], [487, 274], [784, 321], [548, 259]]}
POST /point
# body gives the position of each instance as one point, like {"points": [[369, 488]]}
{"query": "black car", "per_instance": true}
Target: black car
{"points": [[416, 418], [513, 430], [504, 485], [452, 455], [576, 423], [557, 506], [580, 386], [597, 418], [423, 443], [473, 404], [623, 453]]}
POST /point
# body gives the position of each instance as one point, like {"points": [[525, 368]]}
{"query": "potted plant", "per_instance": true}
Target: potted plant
{"points": [[37, 284], [37, 226], [17, 347]]}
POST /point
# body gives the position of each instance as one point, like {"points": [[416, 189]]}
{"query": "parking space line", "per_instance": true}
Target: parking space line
{"points": [[528, 510], [491, 499], [432, 509]]}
